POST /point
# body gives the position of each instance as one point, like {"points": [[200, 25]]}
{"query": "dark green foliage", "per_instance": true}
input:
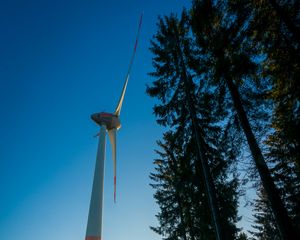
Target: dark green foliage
{"points": [[281, 66], [242, 236], [173, 112], [265, 225], [234, 62], [241, 60]]}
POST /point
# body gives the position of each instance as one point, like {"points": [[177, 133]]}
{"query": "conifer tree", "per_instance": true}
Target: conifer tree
{"points": [[228, 57], [175, 88], [239, 65], [265, 225], [281, 65]]}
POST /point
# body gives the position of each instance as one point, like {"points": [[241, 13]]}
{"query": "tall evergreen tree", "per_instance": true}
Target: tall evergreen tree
{"points": [[246, 54], [173, 190], [265, 224], [179, 109], [281, 65], [228, 56]]}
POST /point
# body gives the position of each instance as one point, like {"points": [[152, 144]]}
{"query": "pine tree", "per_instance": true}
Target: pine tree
{"points": [[172, 192], [265, 224], [227, 55], [281, 65], [239, 65], [175, 88], [176, 192]]}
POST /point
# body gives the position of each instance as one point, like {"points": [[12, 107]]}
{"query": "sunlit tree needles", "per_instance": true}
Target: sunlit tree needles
{"points": [[226, 79]]}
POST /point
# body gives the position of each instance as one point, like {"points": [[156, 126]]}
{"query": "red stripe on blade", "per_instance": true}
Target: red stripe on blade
{"points": [[115, 187], [92, 238]]}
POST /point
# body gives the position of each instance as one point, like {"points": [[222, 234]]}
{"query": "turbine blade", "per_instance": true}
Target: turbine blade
{"points": [[119, 106], [112, 137]]}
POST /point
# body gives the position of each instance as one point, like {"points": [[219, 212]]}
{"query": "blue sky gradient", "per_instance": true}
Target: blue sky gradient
{"points": [[60, 62]]}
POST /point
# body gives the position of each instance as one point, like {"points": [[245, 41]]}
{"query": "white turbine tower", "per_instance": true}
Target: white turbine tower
{"points": [[110, 123]]}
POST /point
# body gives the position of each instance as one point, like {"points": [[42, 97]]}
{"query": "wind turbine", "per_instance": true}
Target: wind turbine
{"points": [[109, 123]]}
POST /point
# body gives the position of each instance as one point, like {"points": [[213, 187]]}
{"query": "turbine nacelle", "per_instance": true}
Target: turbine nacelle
{"points": [[111, 121]]}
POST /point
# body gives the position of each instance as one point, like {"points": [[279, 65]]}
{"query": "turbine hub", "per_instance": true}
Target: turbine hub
{"points": [[108, 119]]}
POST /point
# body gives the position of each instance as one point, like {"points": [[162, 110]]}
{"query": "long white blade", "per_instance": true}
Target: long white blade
{"points": [[113, 142], [94, 226], [119, 106]]}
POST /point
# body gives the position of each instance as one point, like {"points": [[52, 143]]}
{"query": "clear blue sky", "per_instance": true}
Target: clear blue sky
{"points": [[61, 61]]}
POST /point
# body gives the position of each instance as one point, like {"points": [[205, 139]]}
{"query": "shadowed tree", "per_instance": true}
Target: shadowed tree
{"points": [[265, 224], [227, 55], [179, 108], [281, 67]]}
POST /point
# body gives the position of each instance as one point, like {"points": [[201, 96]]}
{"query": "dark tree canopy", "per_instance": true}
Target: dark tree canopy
{"points": [[226, 79]]}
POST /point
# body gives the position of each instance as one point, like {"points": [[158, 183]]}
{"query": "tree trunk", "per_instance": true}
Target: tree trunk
{"points": [[283, 221], [201, 156]]}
